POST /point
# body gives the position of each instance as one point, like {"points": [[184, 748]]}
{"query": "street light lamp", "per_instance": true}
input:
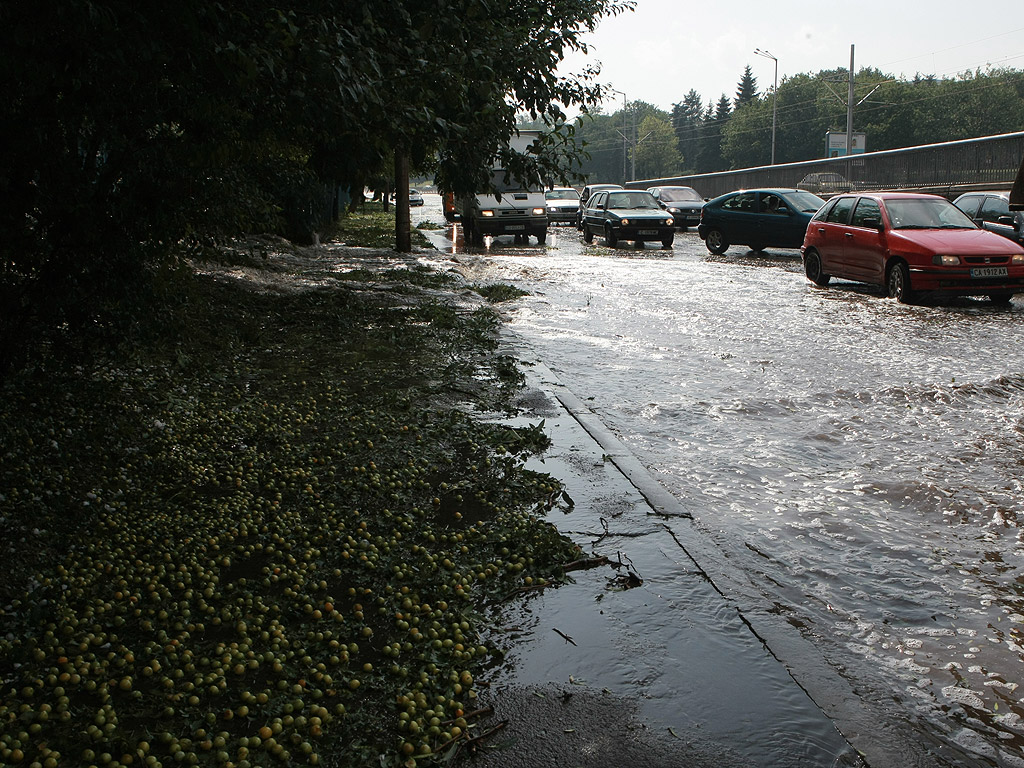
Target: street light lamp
{"points": [[775, 95]]}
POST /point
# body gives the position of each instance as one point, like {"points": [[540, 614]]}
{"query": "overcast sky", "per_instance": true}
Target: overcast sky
{"points": [[664, 48]]}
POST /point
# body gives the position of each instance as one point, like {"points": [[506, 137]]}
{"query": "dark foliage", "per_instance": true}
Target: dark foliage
{"points": [[140, 133]]}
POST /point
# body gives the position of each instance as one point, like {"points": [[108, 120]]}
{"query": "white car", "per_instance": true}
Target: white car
{"points": [[563, 205]]}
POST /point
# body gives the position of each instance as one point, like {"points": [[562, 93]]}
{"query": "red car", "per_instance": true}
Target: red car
{"points": [[910, 244]]}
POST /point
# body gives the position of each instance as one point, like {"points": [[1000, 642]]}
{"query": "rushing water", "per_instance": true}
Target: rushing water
{"points": [[863, 457]]}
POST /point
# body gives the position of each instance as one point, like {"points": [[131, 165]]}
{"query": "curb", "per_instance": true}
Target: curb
{"points": [[801, 658]]}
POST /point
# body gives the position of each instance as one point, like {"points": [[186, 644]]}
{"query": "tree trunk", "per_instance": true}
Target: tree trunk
{"points": [[403, 236]]}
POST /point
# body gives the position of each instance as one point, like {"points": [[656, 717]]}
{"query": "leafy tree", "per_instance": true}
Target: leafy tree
{"points": [[506, 65], [604, 139], [746, 89], [893, 113], [136, 132], [610, 141], [657, 155], [747, 135], [709, 156], [687, 117]]}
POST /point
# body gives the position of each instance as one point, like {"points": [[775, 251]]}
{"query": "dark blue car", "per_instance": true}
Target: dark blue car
{"points": [[757, 218]]}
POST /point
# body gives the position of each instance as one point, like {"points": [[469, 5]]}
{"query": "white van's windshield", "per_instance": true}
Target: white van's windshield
{"points": [[498, 178]]}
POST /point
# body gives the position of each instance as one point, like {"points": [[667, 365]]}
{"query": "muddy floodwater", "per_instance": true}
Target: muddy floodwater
{"points": [[861, 461]]}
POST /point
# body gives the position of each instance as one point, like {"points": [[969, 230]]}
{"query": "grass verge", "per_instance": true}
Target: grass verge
{"points": [[273, 536]]}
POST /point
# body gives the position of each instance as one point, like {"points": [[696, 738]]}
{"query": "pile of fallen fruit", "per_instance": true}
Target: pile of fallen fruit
{"points": [[275, 532]]}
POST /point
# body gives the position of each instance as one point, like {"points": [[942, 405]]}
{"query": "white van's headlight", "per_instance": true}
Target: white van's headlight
{"points": [[538, 211], [487, 214]]}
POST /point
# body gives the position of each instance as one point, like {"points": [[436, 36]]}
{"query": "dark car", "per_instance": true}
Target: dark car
{"points": [[585, 196], [626, 215], [991, 211], [757, 218], [824, 183], [684, 203], [910, 244]]}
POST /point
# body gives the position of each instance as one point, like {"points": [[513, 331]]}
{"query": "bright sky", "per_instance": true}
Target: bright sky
{"points": [[664, 48]]}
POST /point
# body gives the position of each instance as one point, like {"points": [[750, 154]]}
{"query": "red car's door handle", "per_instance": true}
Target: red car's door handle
{"points": [[848, 234]]}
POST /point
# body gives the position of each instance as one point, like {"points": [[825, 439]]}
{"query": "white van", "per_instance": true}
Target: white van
{"points": [[516, 209]]}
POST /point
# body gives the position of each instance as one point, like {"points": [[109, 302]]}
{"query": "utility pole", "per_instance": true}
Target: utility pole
{"points": [[625, 141], [632, 133], [849, 110], [775, 95], [622, 133]]}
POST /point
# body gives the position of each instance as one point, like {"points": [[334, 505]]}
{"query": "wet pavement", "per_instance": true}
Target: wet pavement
{"points": [[847, 476], [644, 660]]}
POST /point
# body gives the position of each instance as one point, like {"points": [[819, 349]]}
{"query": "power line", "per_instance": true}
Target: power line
{"points": [[960, 45]]}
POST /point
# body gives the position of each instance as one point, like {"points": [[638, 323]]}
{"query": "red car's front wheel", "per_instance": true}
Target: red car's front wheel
{"points": [[899, 283]]}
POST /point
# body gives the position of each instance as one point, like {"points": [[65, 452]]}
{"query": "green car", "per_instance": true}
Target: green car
{"points": [[626, 215]]}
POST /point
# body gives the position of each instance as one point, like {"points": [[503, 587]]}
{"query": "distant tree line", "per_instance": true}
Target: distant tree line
{"points": [[137, 133], [642, 141]]}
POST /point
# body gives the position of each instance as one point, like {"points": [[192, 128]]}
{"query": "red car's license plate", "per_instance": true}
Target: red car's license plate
{"points": [[989, 272]]}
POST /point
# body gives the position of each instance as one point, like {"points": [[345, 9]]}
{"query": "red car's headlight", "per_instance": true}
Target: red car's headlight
{"points": [[1017, 258], [945, 261]]}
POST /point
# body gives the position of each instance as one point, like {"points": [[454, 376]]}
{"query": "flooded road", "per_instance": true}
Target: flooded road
{"points": [[860, 461]]}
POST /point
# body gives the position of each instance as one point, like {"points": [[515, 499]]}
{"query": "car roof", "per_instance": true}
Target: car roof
{"points": [[993, 193], [883, 195], [562, 189]]}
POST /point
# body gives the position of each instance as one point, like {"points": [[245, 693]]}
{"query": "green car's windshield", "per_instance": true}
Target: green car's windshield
{"points": [[805, 202], [926, 213], [632, 200]]}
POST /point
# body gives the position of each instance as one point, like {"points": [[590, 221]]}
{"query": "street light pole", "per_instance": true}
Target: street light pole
{"points": [[775, 95], [625, 140]]}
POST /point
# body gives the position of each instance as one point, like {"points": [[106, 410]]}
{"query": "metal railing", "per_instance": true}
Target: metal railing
{"points": [[949, 168]]}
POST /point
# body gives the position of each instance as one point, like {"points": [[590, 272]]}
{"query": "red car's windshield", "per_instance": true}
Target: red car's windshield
{"points": [[923, 213]]}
